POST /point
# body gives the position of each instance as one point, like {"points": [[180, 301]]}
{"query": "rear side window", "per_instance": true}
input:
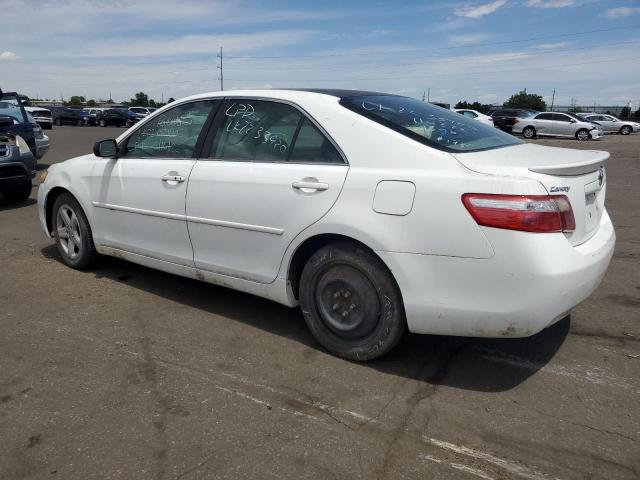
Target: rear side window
{"points": [[558, 117], [262, 131], [173, 134], [428, 124]]}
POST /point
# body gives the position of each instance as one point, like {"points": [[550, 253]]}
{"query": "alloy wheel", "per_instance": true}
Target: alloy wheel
{"points": [[68, 231]]}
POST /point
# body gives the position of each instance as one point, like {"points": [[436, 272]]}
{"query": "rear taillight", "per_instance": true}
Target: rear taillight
{"points": [[526, 213]]}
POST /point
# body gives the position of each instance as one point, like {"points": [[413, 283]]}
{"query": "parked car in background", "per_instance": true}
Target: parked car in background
{"points": [[144, 111], [17, 163], [66, 116], [42, 141], [134, 117], [350, 204], [611, 124], [42, 116], [112, 117], [11, 106], [481, 117], [505, 118], [555, 124]]}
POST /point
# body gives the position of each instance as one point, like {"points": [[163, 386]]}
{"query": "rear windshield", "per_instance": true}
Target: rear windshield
{"points": [[429, 124]]}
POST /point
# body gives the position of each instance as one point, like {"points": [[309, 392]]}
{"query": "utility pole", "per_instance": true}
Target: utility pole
{"points": [[221, 72], [553, 97], [428, 94], [423, 95]]}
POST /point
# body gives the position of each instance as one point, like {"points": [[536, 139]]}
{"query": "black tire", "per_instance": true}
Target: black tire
{"points": [[351, 303], [583, 135], [102, 122], [625, 130], [19, 192], [128, 123], [47, 126], [85, 256], [529, 132], [79, 123], [57, 122]]}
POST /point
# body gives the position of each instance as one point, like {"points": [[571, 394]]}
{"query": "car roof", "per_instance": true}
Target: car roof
{"points": [[284, 93]]}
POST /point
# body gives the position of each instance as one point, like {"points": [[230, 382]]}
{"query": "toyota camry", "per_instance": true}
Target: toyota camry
{"points": [[375, 213]]}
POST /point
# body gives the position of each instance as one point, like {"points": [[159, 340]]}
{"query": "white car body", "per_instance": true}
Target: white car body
{"points": [[611, 124], [474, 114], [240, 223]]}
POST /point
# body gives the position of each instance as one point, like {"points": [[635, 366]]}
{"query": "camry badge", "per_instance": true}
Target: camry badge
{"points": [[559, 189]]}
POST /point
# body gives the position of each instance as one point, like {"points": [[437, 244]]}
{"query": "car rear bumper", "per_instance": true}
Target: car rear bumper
{"points": [[532, 281]]}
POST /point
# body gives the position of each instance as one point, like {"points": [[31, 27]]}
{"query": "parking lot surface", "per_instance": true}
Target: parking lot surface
{"points": [[129, 373]]}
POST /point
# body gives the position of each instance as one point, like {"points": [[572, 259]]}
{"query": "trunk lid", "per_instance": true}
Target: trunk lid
{"points": [[578, 174]]}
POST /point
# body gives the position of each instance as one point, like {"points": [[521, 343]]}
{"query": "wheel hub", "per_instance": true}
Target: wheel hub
{"points": [[348, 302]]}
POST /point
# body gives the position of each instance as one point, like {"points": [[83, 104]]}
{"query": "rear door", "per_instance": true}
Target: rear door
{"points": [[272, 172], [544, 124]]}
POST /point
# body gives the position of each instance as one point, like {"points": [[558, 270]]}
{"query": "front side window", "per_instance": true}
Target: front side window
{"points": [[173, 134], [544, 116], [561, 118], [262, 131], [428, 124]]}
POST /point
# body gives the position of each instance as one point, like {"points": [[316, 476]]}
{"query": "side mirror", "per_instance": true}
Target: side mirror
{"points": [[106, 149]]}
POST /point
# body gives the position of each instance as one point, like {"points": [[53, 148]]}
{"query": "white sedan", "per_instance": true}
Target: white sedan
{"points": [[375, 213], [476, 115]]}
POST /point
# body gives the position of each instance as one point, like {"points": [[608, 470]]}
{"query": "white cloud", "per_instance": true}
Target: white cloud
{"points": [[477, 11], [622, 12], [549, 3], [552, 46], [8, 56], [469, 39]]}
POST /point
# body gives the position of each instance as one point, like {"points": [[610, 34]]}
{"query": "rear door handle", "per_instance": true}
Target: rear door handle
{"points": [[306, 186], [172, 178]]}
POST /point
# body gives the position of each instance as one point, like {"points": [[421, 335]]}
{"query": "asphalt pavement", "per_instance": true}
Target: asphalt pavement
{"points": [[127, 373]]}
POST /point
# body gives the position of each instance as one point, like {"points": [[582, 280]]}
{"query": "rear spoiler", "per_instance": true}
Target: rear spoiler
{"points": [[576, 168]]}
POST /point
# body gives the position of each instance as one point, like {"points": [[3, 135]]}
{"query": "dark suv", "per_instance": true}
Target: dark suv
{"points": [[114, 116], [505, 118], [17, 163], [66, 116], [11, 106]]}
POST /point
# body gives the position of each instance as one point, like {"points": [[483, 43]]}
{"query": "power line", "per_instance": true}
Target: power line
{"points": [[390, 52]]}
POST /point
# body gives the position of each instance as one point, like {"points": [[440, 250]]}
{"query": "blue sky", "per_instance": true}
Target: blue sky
{"points": [[475, 50]]}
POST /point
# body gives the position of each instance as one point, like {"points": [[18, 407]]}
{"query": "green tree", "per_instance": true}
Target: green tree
{"points": [[526, 100], [637, 113], [76, 100], [477, 106], [625, 112], [152, 103], [92, 103], [141, 100], [171, 99]]}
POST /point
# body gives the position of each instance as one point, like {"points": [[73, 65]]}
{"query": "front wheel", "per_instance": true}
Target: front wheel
{"points": [[102, 122], [72, 233], [583, 135], [626, 130], [351, 303], [529, 132]]}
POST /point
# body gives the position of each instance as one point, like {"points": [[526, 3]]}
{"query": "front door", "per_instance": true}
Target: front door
{"points": [[139, 198], [272, 172]]}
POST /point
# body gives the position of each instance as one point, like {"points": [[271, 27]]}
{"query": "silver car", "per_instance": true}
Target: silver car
{"points": [[611, 124], [557, 125]]}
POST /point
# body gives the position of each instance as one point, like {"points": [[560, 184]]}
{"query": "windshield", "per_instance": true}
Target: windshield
{"points": [[429, 124], [10, 106]]}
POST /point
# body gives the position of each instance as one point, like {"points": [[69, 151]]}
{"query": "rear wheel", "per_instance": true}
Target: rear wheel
{"points": [[128, 123], [79, 123], [72, 233], [102, 122], [57, 122], [625, 130], [351, 303], [19, 192], [529, 132], [583, 135]]}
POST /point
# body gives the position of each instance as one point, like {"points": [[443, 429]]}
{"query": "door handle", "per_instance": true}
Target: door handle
{"points": [[306, 185], [172, 178]]}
